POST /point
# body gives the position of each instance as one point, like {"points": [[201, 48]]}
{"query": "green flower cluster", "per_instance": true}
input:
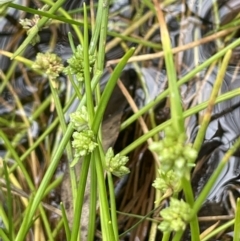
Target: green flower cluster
{"points": [[174, 154], [83, 142], [29, 24], [167, 182], [76, 64], [176, 216], [83, 138], [116, 164], [79, 119], [50, 64]]}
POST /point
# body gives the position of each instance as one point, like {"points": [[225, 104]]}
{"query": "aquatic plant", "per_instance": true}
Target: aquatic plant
{"points": [[66, 119]]}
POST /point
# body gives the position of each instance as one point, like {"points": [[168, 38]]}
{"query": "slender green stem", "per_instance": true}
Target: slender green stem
{"points": [[166, 236], [113, 205], [187, 188], [14, 154], [65, 222], [93, 202], [175, 99], [3, 235], [4, 217], [45, 14], [138, 222], [207, 116], [71, 42], [109, 88], [34, 30], [187, 113], [103, 35], [106, 222], [75, 25], [219, 230], [58, 228], [47, 226], [53, 185], [87, 78], [9, 203], [63, 125], [207, 188], [80, 197], [236, 236], [40, 192], [96, 32], [30, 184], [55, 122], [181, 81], [177, 236]]}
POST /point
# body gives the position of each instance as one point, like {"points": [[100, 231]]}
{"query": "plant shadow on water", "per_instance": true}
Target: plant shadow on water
{"points": [[24, 92]]}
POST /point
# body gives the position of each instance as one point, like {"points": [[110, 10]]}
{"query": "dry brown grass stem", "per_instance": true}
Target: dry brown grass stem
{"points": [[147, 57]]}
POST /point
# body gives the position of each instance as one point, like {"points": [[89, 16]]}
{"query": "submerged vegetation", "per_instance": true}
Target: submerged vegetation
{"points": [[119, 120]]}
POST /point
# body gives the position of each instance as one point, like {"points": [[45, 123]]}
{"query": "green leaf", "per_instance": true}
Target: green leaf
{"points": [[4, 6], [236, 236], [2, 2], [34, 31]]}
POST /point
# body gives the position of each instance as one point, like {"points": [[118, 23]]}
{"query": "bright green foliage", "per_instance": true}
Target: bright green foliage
{"points": [[76, 64], [49, 63], [168, 181], [116, 164], [84, 139], [4, 6], [30, 24], [80, 119], [83, 143], [174, 154], [175, 217]]}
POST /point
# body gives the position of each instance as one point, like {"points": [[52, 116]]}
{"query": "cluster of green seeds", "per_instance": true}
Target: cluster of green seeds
{"points": [[76, 64], [176, 216], [174, 154]]}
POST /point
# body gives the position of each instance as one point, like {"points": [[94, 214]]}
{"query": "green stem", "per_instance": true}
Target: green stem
{"points": [[3, 235], [106, 222], [113, 205], [45, 14], [57, 228], [236, 236], [9, 147], [65, 222], [34, 30], [87, 78], [138, 222], [219, 230], [40, 192], [187, 188], [93, 202], [80, 197], [166, 236], [9, 203], [103, 35], [207, 117], [175, 99], [14, 155], [177, 236], [186, 114], [63, 125], [109, 88], [207, 188], [181, 81]]}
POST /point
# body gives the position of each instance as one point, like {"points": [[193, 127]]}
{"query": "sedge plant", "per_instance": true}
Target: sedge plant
{"points": [[81, 138]]}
